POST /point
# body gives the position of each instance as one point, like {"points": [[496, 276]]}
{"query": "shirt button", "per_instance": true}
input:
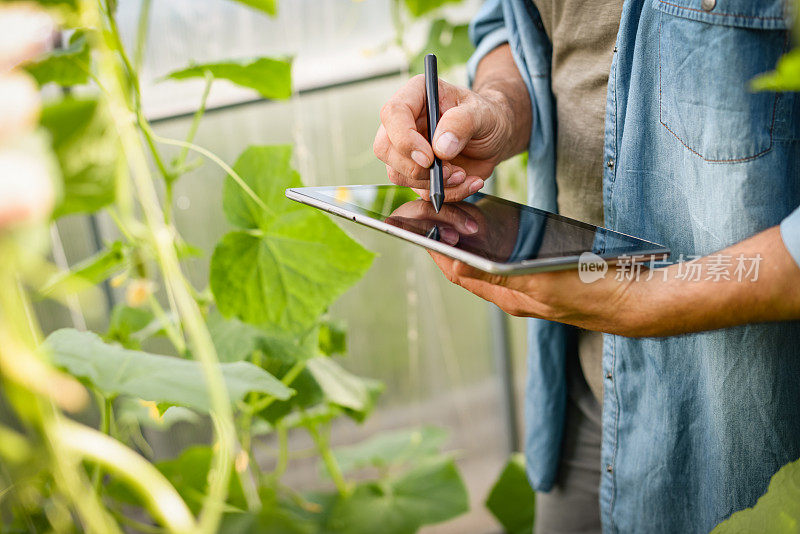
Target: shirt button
{"points": [[610, 468], [609, 376], [708, 5], [610, 163]]}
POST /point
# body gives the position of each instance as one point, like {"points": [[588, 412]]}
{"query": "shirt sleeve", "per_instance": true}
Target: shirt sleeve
{"points": [[790, 232], [487, 31]]}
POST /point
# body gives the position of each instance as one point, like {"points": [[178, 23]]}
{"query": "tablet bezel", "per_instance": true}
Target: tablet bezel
{"points": [[305, 195]]}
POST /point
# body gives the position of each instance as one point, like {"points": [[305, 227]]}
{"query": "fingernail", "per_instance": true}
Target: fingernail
{"points": [[475, 186], [420, 158], [447, 144], [448, 235], [457, 178], [471, 226]]}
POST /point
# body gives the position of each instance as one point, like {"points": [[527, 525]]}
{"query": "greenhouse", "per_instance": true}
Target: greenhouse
{"points": [[399, 266]]}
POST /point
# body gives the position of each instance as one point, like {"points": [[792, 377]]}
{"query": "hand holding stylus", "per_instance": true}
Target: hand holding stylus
{"points": [[475, 132]]}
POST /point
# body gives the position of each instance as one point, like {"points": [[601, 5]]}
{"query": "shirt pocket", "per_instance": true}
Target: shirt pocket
{"points": [[709, 50]]}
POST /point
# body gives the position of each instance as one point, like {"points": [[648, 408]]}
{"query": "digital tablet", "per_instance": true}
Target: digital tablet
{"points": [[484, 231]]}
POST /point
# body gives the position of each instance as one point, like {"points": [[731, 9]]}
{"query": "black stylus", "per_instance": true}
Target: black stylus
{"points": [[432, 101]]}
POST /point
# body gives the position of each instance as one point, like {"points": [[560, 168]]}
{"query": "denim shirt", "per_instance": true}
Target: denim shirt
{"points": [[694, 425]]}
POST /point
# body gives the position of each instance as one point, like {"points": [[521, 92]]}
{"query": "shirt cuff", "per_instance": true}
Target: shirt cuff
{"points": [[790, 232], [489, 42]]}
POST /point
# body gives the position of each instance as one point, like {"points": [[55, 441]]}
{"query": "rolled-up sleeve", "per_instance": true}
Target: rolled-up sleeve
{"points": [[487, 31], [790, 232]]}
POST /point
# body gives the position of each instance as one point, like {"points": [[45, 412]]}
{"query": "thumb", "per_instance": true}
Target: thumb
{"points": [[456, 127]]}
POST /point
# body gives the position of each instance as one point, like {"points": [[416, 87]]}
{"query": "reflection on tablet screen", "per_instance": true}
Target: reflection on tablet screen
{"points": [[491, 227]]}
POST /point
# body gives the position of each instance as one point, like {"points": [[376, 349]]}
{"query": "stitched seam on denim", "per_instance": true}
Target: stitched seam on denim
{"points": [[720, 14], [615, 378], [690, 149]]}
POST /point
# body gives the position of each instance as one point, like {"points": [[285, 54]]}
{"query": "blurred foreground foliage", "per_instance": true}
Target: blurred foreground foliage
{"points": [[253, 353]]}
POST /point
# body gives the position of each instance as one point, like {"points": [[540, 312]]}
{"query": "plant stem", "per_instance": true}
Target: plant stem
{"points": [[174, 336], [106, 407], [133, 79], [141, 34], [149, 136], [325, 452], [283, 450], [198, 115], [34, 386], [216, 159], [137, 525], [161, 238], [287, 380]]}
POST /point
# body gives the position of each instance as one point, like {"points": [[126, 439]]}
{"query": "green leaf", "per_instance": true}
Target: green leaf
{"points": [[88, 152], [511, 499], [236, 341], [67, 66], [270, 7], [776, 512], [340, 386], [392, 448], [308, 393], [188, 474], [71, 5], [278, 515], [272, 78], [785, 77], [332, 338], [130, 326], [90, 271], [449, 42], [430, 493], [420, 7], [161, 379], [130, 414], [291, 262]]}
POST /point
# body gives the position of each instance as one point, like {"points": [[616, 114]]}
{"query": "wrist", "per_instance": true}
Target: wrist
{"points": [[632, 311]]}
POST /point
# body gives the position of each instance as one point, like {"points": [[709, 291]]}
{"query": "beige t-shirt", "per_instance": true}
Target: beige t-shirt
{"points": [[583, 35]]}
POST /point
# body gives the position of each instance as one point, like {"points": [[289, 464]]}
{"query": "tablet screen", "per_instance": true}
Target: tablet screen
{"points": [[493, 228]]}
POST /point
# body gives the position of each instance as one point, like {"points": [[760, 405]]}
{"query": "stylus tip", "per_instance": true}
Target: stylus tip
{"points": [[437, 200]]}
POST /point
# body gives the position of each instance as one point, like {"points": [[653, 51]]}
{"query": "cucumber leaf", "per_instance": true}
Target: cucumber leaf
{"points": [[393, 448], [88, 152], [430, 493], [511, 499], [165, 380], [289, 262], [66, 66], [272, 78], [777, 511], [270, 7]]}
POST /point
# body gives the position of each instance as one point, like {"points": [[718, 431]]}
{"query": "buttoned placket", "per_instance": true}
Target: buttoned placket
{"points": [[610, 400]]}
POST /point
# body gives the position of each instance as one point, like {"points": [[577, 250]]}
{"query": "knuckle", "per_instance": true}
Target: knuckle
{"points": [[379, 148], [417, 173], [388, 110]]}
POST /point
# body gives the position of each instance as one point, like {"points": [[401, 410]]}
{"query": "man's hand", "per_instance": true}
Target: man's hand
{"points": [[555, 296], [481, 227], [453, 220], [660, 305], [477, 130]]}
